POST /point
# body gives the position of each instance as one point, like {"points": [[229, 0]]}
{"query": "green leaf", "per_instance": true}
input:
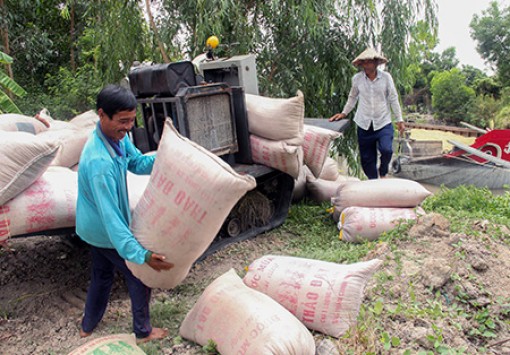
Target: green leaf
{"points": [[11, 85], [395, 341], [4, 58], [6, 104], [378, 307]]}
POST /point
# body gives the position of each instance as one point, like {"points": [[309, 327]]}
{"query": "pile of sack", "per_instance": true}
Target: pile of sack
{"points": [[272, 309], [366, 209], [38, 184], [280, 139]]}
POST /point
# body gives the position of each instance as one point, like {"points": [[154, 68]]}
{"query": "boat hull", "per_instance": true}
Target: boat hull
{"points": [[451, 172]]}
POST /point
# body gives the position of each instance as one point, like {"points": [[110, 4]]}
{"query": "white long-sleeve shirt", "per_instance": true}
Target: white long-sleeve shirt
{"points": [[376, 100]]}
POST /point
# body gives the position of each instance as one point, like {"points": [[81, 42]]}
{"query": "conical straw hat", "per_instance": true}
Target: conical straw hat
{"points": [[369, 54]]}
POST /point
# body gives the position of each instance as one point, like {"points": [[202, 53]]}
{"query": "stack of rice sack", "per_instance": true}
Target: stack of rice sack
{"points": [[71, 135], [280, 139], [38, 191], [366, 209], [272, 309], [277, 131]]}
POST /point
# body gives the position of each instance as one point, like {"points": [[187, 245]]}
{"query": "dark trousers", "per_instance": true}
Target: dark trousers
{"points": [[104, 263], [369, 142]]}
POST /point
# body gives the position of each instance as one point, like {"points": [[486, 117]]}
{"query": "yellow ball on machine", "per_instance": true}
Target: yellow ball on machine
{"points": [[212, 42]]}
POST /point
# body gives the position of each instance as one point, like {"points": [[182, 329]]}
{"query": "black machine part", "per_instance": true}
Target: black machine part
{"points": [[215, 117]]}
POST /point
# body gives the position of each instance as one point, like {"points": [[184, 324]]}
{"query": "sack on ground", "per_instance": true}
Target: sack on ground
{"points": [[49, 203], [241, 320], [190, 193], [321, 190], [277, 119], [316, 147], [325, 296], [277, 154], [330, 170], [358, 224], [24, 158], [120, 344], [379, 193], [14, 122]]}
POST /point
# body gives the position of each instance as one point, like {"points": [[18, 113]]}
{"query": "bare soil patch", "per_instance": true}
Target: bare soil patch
{"points": [[43, 283]]}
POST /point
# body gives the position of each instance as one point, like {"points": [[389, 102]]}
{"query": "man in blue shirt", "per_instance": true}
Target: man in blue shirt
{"points": [[103, 215], [375, 93]]}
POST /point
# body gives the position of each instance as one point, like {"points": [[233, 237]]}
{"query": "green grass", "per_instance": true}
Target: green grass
{"points": [[310, 232], [316, 235], [466, 204]]}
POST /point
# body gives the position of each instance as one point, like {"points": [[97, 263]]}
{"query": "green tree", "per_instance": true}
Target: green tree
{"points": [[472, 75], [9, 86], [452, 99], [306, 45], [491, 30]]}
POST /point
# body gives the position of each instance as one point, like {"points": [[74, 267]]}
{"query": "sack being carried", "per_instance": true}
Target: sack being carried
{"points": [[190, 193]]}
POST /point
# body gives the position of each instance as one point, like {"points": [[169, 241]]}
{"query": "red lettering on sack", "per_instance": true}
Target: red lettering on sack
{"points": [[244, 347], [4, 223], [255, 280], [4, 228], [196, 212], [163, 183], [316, 283]]}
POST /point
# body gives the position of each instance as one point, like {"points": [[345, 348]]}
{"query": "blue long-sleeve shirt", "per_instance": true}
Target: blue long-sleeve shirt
{"points": [[102, 211]]}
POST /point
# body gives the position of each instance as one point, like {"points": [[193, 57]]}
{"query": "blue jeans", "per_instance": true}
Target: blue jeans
{"points": [[369, 142], [104, 263]]}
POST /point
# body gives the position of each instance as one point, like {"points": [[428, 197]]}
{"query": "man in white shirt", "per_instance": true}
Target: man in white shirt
{"points": [[375, 93]]}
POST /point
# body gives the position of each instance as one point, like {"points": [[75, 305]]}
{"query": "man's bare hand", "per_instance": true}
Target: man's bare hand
{"points": [[42, 119], [401, 126], [337, 117], [158, 263]]}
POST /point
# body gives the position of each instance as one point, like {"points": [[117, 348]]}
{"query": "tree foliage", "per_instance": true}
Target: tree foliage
{"points": [[299, 44], [306, 45], [9, 87], [452, 99], [492, 32]]}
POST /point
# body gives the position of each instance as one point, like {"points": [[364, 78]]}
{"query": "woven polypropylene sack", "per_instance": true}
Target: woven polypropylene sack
{"points": [[115, 344], [24, 158], [330, 170], [86, 120], [190, 194], [241, 320], [277, 119], [316, 147], [277, 154], [358, 224], [379, 193], [71, 143], [323, 190], [14, 122], [47, 204], [325, 296]]}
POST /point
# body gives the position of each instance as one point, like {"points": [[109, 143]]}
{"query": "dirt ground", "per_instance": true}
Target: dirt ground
{"points": [[43, 283]]}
